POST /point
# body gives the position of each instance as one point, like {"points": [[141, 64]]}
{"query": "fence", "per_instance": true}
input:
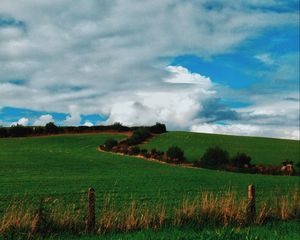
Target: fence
{"points": [[209, 208], [250, 217]]}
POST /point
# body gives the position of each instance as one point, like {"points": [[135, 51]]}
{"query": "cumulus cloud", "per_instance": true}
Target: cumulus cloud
{"points": [[43, 120], [213, 110], [21, 121], [248, 130], [269, 115], [74, 117], [88, 124], [176, 105], [180, 74]]}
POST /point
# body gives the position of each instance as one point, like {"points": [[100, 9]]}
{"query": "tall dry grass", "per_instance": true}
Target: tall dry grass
{"points": [[205, 209]]}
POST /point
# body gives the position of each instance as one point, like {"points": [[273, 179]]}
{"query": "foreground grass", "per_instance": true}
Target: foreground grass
{"points": [[272, 231], [266, 151], [209, 209]]}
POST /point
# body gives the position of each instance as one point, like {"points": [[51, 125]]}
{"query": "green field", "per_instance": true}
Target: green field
{"points": [[262, 150], [64, 167], [61, 168]]}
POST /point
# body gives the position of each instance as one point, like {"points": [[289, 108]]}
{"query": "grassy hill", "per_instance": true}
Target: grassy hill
{"points": [[63, 167], [262, 150]]}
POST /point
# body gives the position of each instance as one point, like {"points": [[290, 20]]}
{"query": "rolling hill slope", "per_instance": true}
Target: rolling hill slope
{"points": [[63, 167], [267, 151]]}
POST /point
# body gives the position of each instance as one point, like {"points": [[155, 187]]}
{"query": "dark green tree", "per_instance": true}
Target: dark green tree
{"points": [[214, 157], [175, 155], [158, 128], [51, 128]]}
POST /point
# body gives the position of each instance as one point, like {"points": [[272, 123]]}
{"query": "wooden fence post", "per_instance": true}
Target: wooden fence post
{"points": [[91, 211], [251, 208]]}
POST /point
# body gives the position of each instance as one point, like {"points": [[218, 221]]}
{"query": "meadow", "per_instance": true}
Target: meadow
{"points": [[59, 169], [267, 151]]}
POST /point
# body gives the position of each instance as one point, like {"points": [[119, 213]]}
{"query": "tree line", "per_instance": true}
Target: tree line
{"points": [[50, 129]]}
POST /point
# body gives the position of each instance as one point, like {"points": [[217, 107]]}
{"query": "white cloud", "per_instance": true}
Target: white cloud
{"points": [[265, 58], [100, 48], [88, 124], [176, 105], [180, 74], [9, 33], [74, 118], [272, 109], [43, 120], [248, 130], [22, 121], [270, 115]]}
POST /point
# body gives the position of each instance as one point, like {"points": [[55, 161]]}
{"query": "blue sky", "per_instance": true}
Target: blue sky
{"points": [[11, 114], [199, 66]]}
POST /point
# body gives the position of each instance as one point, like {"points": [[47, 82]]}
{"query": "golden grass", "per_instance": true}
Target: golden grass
{"points": [[206, 209]]}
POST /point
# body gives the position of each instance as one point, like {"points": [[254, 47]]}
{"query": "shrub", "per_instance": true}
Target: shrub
{"points": [[139, 135], [39, 130], [160, 155], [3, 132], [110, 143], [214, 157], [135, 150], [156, 154], [144, 152], [123, 149], [119, 127], [286, 162], [19, 131], [241, 160], [175, 155], [158, 128]]}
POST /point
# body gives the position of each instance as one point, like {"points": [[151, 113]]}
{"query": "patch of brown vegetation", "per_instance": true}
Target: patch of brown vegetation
{"points": [[217, 209]]}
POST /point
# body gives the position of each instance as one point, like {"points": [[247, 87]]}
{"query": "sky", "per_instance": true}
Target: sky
{"points": [[228, 67]]}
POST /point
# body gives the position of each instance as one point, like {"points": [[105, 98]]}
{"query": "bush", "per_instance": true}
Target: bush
{"points": [[139, 135], [3, 132], [158, 128], [19, 131], [155, 153], [160, 155], [240, 160], [39, 130], [135, 150], [144, 152], [119, 127], [175, 155], [214, 157], [123, 149], [110, 143], [286, 162]]}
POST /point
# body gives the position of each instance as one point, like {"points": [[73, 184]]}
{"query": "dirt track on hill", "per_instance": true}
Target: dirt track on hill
{"points": [[184, 165]]}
